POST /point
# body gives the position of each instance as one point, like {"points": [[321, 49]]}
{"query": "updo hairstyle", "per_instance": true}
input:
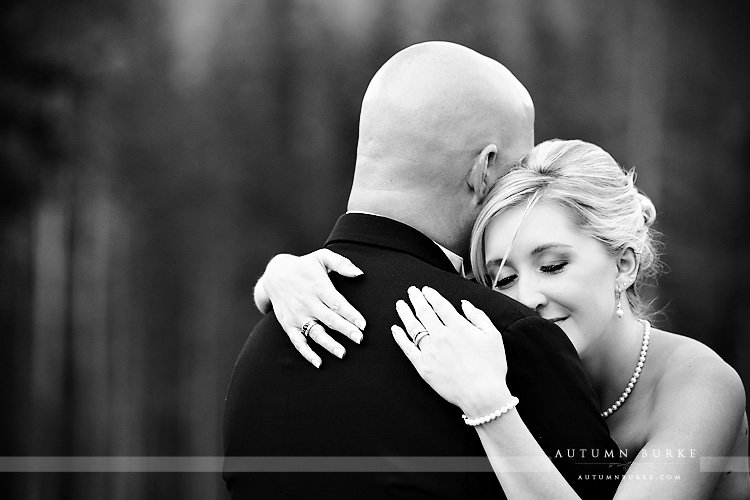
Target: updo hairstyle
{"points": [[598, 195]]}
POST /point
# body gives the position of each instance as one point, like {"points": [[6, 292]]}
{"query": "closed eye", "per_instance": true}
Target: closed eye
{"points": [[506, 282], [553, 268]]}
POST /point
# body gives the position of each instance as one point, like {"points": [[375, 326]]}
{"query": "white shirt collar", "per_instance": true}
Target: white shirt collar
{"points": [[456, 260]]}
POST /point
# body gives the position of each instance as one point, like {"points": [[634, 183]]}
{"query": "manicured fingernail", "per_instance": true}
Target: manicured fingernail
{"points": [[360, 323], [356, 337], [339, 352], [400, 304], [355, 270], [316, 362]]}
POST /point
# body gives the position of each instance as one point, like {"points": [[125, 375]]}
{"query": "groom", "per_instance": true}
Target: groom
{"points": [[439, 123]]}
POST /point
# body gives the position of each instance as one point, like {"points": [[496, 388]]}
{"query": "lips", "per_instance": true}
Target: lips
{"points": [[557, 320]]}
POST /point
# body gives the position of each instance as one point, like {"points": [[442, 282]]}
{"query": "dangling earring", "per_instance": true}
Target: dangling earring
{"points": [[619, 310]]}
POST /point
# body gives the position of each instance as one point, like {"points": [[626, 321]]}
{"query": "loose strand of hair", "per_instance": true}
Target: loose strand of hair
{"points": [[532, 202]]}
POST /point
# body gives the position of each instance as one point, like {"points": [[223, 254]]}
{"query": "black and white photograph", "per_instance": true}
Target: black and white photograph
{"points": [[374, 249]]}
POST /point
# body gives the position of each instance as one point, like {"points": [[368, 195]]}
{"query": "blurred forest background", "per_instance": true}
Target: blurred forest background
{"points": [[155, 154]]}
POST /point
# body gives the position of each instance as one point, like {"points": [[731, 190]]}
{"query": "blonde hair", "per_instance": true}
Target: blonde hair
{"points": [[600, 197]]}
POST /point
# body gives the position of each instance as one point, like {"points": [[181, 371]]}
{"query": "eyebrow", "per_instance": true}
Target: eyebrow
{"points": [[548, 246], [536, 251]]}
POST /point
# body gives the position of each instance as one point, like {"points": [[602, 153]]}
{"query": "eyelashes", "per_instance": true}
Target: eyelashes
{"points": [[553, 268], [508, 281]]}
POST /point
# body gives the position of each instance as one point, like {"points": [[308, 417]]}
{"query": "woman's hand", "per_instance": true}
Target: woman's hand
{"points": [[299, 289], [463, 359]]}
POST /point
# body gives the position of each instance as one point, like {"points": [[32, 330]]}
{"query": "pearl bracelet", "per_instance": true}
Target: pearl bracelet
{"points": [[492, 416]]}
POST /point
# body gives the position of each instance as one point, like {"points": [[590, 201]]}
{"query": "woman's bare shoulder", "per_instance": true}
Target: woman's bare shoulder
{"points": [[692, 372]]}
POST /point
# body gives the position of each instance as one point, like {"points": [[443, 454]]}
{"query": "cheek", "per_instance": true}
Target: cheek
{"points": [[574, 335], [596, 302], [509, 293], [591, 303]]}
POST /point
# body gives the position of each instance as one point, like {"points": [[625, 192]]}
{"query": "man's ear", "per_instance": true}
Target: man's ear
{"points": [[479, 179], [627, 268]]}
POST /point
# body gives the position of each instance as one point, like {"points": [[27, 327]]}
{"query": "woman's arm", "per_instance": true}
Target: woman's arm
{"points": [[464, 361], [299, 289]]}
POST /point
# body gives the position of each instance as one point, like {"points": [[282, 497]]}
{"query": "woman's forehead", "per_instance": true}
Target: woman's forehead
{"points": [[547, 225]]}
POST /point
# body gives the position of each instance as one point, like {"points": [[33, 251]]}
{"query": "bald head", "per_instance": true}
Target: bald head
{"points": [[429, 115]]}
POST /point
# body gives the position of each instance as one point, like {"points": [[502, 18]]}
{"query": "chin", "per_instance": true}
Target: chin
{"points": [[578, 342]]}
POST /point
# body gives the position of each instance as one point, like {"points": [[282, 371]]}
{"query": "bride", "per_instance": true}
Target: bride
{"points": [[567, 234]]}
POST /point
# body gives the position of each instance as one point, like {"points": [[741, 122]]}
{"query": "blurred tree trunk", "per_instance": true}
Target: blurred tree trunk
{"points": [[647, 101], [16, 297]]}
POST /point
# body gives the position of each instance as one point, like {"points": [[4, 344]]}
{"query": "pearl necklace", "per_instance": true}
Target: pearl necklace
{"points": [[636, 374]]}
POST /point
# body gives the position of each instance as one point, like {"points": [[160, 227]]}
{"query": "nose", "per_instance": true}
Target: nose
{"points": [[530, 294]]}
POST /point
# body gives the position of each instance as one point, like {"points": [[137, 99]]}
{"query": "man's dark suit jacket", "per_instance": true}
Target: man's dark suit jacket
{"points": [[373, 403]]}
